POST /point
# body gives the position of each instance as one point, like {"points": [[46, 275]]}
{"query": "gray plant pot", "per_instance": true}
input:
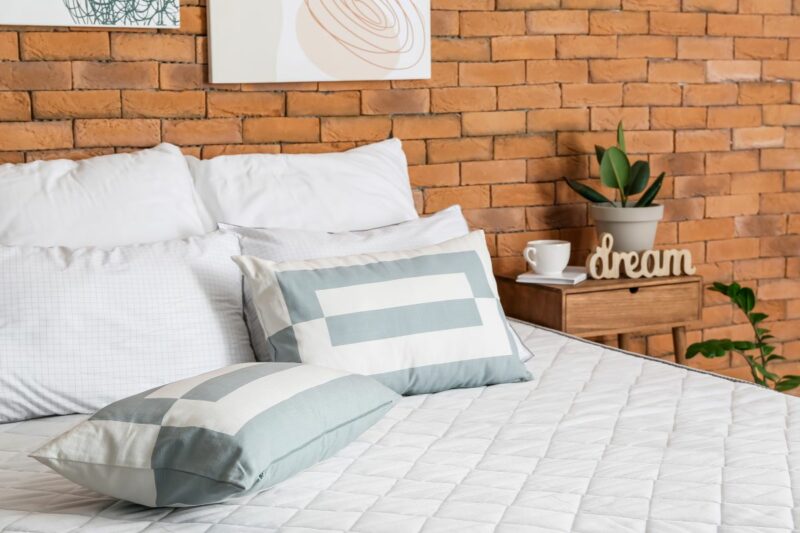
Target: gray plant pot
{"points": [[633, 228]]}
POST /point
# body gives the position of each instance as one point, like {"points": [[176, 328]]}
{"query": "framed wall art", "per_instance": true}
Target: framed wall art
{"points": [[258, 41], [103, 13]]}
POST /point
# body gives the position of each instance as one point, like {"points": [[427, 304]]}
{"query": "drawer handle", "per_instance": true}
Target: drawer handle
{"points": [[634, 290]]}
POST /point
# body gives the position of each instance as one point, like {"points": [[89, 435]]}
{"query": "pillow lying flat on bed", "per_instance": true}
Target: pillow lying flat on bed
{"points": [[82, 328], [418, 321], [114, 200], [358, 189], [223, 434]]}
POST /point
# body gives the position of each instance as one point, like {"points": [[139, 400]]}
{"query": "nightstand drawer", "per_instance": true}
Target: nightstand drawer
{"points": [[632, 308]]}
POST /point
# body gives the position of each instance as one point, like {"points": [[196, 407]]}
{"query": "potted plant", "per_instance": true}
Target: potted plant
{"points": [[632, 224]]}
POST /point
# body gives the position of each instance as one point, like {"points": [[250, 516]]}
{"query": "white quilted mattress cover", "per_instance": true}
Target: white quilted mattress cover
{"points": [[600, 441]]}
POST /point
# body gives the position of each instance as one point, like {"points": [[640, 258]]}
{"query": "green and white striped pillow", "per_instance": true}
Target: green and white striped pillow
{"points": [[223, 434], [419, 321]]}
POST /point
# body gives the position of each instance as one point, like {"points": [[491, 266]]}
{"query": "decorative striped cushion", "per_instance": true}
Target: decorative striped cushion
{"points": [[418, 321], [223, 434]]}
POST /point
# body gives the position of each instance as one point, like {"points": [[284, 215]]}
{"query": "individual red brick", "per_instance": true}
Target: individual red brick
{"points": [[209, 131], [710, 94], [782, 115], [782, 289], [465, 149], [777, 245], [210, 151], [706, 230], [475, 49], [499, 220], [677, 71], [117, 132], [678, 117], [705, 48], [35, 135], [758, 48], [765, 137], [691, 186], [733, 70], [596, 94], [652, 94], [735, 25], [76, 104], [766, 6], [760, 226], [128, 75], [647, 142], [523, 194], [774, 159], [756, 182], [607, 118], [444, 23], [718, 163], [780, 203], [552, 168], [558, 22], [617, 22], [583, 142], [440, 198], [163, 104], [320, 104], [703, 141], [734, 205], [523, 146], [493, 123], [457, 99], [678, 164], [758, 269], [483, 172], [9, 46], [488, 23], [556, 216], [562, 71], [64, 45], [427, 127], [443, 175], [719, 6], [45, 76], [677, 23], [355, 129], [15, 106], [734, 117], [393, 101], [782, 26], [683, 208], [523, 47], [492, 74], [152, 46], [647, 46], [586, 46], [612, 70], [282, 129], [558, 120], [230, 104], [764, 93], [529, 97], [732, 249]]}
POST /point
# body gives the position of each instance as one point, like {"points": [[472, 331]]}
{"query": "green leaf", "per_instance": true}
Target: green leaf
{"points": [[621, 137], [719, 287], [775, 357], [599, 152], [745, 299], [615, 170], [755, 318], [587, 192], [787, 383], [710, 348], [744, 345], [647, 198], [733, 290], [640, 175], [766, 348]]}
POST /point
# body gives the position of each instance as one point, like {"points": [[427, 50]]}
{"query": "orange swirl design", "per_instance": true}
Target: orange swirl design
{"points": [[389, 34]]}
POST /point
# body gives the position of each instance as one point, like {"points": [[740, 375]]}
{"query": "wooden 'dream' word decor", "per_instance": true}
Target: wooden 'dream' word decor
{"points": [[606, 264]]}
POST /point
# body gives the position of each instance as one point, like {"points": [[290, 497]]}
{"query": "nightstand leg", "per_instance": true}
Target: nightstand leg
{"points": [[625, 341], [679, 343]]}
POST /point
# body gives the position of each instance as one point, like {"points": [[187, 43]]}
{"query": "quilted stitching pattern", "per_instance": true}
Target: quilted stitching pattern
{"points": [[600, 441]]}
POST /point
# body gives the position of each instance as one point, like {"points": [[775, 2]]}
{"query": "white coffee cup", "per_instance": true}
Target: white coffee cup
{"points": [[548, 258]]}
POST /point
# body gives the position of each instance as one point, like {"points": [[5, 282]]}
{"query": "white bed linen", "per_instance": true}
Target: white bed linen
{"points": [[600, 441]]}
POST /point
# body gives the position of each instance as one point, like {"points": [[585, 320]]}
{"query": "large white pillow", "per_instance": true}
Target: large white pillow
{"points": [[82, 328], [106, 201], [359, 189]]}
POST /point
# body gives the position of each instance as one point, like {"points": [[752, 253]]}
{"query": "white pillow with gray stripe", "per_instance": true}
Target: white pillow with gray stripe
{"points": [[419, 321], [223, 434]]}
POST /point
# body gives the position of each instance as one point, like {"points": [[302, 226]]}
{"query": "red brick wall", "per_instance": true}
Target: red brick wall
{"points": [[522, 89]]}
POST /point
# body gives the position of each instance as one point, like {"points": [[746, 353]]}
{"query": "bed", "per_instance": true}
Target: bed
{"points": [[599, 441]]}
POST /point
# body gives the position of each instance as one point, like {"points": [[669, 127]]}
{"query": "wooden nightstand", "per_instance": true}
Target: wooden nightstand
{"points": [[596, 308]]}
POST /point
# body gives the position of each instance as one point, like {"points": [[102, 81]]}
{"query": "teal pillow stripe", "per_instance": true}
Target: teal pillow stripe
{"points": [[220, 435], [419, 321]]}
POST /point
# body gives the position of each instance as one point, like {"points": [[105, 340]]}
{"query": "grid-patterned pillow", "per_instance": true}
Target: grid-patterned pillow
{"points": [[233, 431], [419, 321]]}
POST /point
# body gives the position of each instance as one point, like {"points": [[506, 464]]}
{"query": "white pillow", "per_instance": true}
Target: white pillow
{"points": [[359, 189], [106, 201], [418, 321], [82, 328], [299, 245]]}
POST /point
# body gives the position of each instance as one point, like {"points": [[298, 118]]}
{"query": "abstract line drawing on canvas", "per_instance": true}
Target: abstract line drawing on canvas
{"points": [[387, 34], [124, 12]]}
